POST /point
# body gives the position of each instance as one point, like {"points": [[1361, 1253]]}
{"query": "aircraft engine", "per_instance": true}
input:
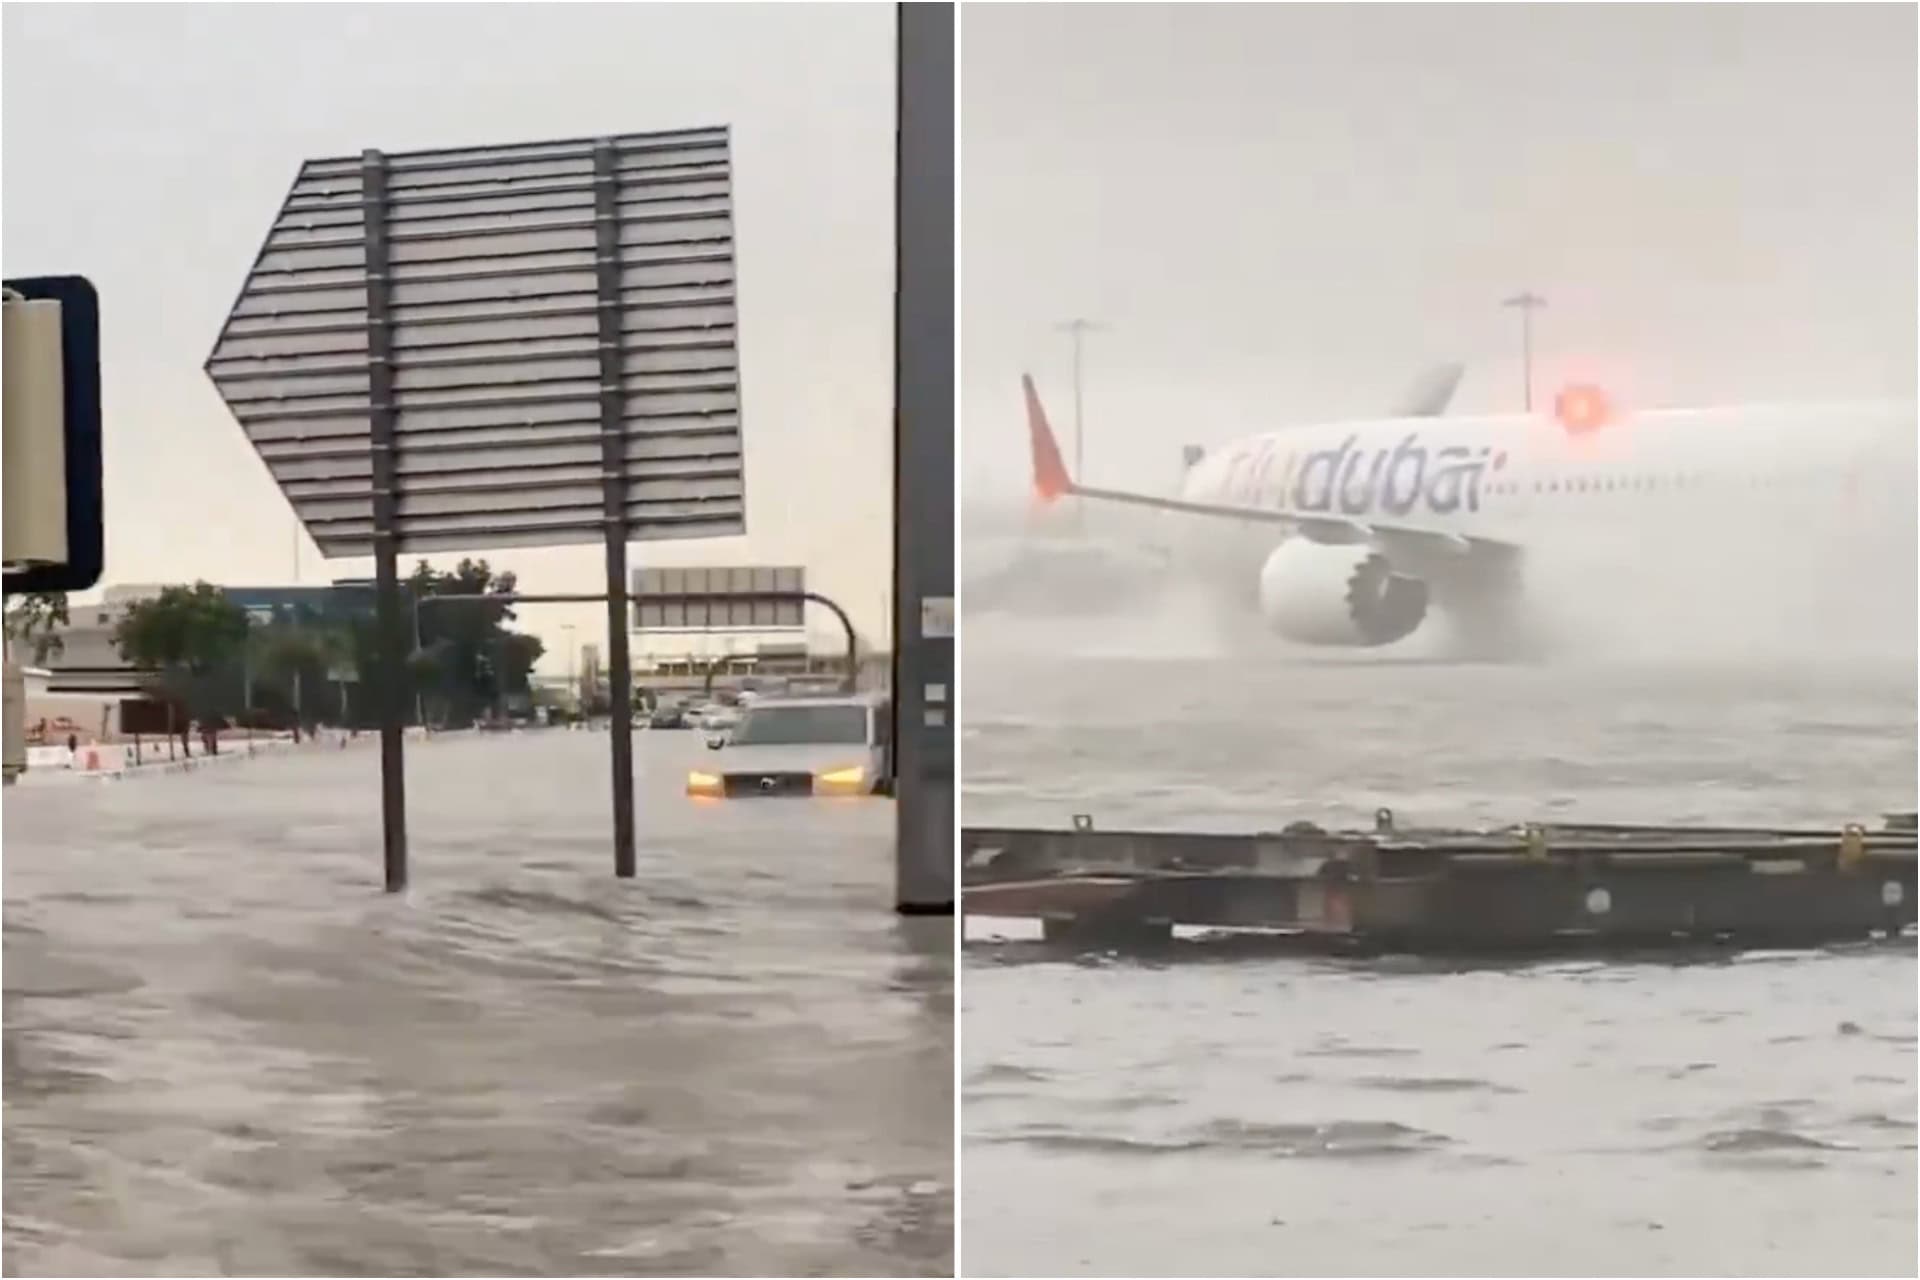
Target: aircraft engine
{"points": [[1312, 593]]}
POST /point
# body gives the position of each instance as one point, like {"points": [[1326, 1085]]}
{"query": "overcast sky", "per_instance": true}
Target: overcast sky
{"points": [[1285, 212], [148, 147]]}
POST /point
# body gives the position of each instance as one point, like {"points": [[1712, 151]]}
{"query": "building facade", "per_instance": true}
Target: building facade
{"points": [[87, 684]]}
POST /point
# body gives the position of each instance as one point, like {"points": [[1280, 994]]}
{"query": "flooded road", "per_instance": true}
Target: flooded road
{"points": [[1217, 1110], [228, 1053]]}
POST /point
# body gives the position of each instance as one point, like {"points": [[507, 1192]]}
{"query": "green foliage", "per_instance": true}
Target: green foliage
{"points": [[217, 664], [278, 649], [192, 630], [36, 619], [290, 661], [467, 660], [194, 636]]}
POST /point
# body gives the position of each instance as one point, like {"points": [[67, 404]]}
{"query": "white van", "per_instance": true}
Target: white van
{"points": [[802, 747]]}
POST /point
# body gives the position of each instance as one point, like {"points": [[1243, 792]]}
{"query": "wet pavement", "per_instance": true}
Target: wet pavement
{"points": [[227, 1052]]}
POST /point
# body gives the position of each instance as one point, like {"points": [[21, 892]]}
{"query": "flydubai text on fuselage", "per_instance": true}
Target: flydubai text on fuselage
{"points": [[1357, 477], [1513, 477]]}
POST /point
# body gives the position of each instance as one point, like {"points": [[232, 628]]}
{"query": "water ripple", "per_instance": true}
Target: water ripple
{"points": [[227, 1052], [1665, 1115]]}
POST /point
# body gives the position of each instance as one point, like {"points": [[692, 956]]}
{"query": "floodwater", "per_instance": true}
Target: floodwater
{"points": [[227, 1052], [1219, 1111]]}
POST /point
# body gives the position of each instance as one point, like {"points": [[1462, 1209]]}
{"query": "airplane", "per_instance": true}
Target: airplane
{"points": [[1357, 534], [1073, 568]]}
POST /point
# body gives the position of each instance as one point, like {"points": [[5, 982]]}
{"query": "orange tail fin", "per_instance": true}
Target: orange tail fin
{"points": [[1050, 478]]}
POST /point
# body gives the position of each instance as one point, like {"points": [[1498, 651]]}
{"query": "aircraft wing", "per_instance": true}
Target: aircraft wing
{"points": [[1051, 481]]}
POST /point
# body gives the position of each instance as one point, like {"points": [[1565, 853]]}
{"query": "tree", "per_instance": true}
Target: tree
{"points": [[290, 657], [519, 654], [336, 646], [35, 620], [191, 634], [467, 659]]}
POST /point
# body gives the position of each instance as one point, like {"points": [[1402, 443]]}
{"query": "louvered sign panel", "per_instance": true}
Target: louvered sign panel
{"points": [[491, 298]]}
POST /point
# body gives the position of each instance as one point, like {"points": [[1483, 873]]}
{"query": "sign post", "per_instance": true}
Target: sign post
{"points": [[389, 687], [509, 346], [613, 475]]}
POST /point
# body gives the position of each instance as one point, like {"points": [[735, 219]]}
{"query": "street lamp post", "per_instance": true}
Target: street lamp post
{"points": [[419, 697], [1526, 302], [1078, 328]]}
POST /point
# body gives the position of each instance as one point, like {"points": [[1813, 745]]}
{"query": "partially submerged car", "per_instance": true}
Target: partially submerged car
{"points": [[802, 747], [668, 715]]}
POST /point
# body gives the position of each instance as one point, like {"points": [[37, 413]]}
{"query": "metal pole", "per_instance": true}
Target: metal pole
{"points": [[613, 468], [573, 689], [1079, 423], [1526, 302], [1077, 329], [924, 692], [390, 693], [1526, 358], [850, 683], [419, 698]]}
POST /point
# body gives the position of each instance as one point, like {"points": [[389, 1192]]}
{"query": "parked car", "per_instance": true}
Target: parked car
{"points": [[713, 717]]}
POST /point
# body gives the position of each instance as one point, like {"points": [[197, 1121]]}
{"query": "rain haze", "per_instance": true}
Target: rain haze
{"points": [[1279, 217], [1290, 212], [1285, 212], [180, 128]]}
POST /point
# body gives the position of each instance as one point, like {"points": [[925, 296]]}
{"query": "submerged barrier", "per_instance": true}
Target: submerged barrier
{"points": [[1527, 885]]}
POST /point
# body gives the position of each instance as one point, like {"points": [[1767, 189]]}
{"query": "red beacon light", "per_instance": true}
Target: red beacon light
{"points": [[1581, 408]]}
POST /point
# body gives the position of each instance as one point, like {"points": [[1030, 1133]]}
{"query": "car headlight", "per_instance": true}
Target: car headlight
{"points": [[852, 776], [702, 783]]}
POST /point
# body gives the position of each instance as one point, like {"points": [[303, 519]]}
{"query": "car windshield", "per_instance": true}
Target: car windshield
{"points": [[788, 726]]}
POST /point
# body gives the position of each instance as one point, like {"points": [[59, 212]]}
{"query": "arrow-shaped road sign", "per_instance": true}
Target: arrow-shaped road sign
{"points": [[453, 300]]}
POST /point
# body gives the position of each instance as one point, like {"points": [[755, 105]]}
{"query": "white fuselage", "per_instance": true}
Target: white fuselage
{"points": [[1528, 481], [1792, 492], [1513, 478]]}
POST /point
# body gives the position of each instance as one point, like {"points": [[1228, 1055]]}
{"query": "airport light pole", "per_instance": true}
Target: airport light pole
{"points": [[573, 690], [1078, 328], [1526, 302]]}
